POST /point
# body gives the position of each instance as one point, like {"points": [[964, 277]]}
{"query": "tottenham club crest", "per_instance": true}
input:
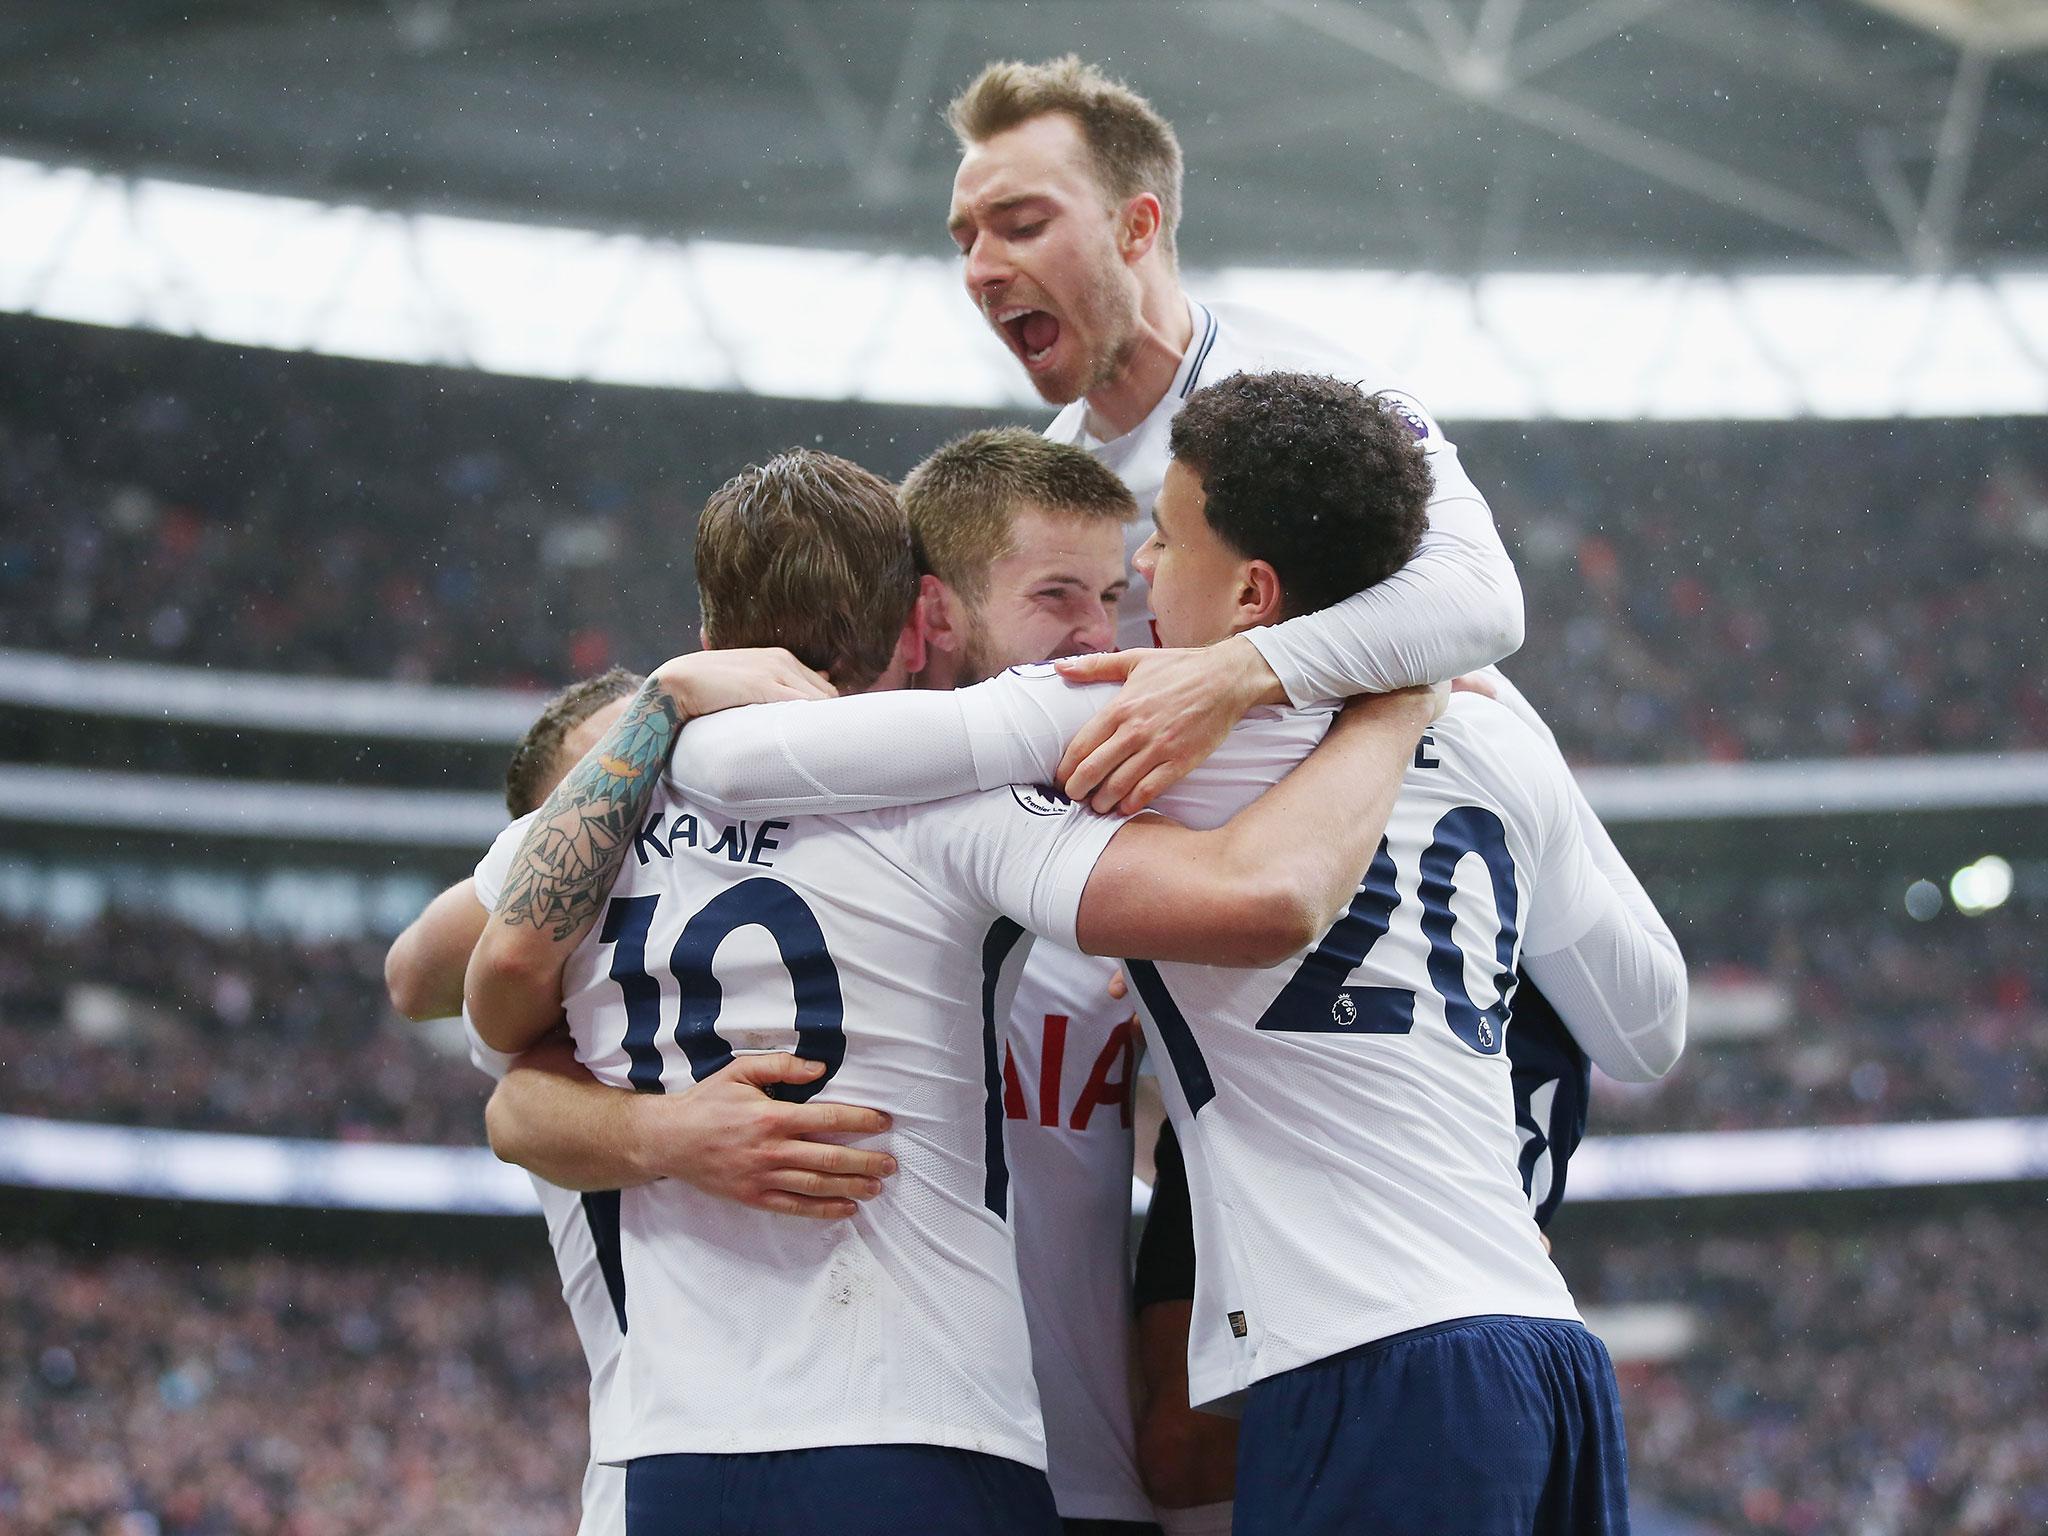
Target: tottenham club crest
{"points": [[1040, 800]]}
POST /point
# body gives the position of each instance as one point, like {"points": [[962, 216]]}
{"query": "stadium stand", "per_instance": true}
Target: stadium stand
{"points": [[1836, 1015], [1717, 275], [298, 1394], [146, 1395], [152, 1022], [1881, 1378], [320, 516]]}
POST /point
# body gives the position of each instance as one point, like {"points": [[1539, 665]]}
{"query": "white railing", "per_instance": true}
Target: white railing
{"points": [[262, 270], [268, 701], [346, 709], [434, 818], [271, 1170]]}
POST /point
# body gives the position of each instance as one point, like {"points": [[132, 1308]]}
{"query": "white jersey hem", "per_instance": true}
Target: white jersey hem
{"points": [[813, 1437], [1103, 1506], [1275, 1356]]}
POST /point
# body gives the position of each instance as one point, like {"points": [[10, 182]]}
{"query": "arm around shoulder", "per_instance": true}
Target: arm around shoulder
{"points": [[1269, 882]]}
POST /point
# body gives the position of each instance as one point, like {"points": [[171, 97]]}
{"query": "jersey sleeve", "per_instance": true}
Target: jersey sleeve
{"points": [[495, 865], [1023, 851], [1595, 942], [493, 1063], [875, 750], [1454, 607]]}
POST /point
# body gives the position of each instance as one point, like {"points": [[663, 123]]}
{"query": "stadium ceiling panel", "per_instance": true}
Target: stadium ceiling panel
{"points": [[1448, 136]]}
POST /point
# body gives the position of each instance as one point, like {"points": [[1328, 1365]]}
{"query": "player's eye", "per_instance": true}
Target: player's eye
{"points": [[1028, 231]]}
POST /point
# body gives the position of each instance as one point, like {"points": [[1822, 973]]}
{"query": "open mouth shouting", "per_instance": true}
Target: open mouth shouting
{"points": [[1032, 333]]}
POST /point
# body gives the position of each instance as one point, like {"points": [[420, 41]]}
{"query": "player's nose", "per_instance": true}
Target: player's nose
{"points": [[1097, 632], [986, 270]]}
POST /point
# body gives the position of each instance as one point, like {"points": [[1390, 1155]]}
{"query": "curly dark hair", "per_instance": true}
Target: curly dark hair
{"points": [[1324, 483]]}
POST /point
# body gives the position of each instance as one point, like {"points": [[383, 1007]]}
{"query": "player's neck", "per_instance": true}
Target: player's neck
{"points": [[943, 670], [1164, 330]]}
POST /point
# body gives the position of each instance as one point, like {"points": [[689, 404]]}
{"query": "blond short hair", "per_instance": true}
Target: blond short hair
{"points": [[810, 552], [1132, 148], [964, 499]]}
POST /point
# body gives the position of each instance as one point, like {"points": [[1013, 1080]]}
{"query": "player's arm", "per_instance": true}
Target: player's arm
{"points": [[883, 749], [725, 1135], [1456, 606], [1619, 984], [424, 966], [571, 849], [1267, 883]]}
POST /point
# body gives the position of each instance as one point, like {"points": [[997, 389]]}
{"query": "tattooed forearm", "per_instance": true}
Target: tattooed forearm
{"points": [[577, 842]]}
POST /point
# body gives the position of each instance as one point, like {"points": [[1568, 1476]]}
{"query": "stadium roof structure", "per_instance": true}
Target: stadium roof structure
{"points": [[1448, 136]]}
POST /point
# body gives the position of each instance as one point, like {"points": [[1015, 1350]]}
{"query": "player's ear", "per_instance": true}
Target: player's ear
{"points": [[913, 646], [1139, 228], [945, 621], [1260, 598]]}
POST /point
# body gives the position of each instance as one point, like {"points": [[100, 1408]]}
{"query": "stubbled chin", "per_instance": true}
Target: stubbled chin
{"points": [[1055, 389], [1062, 384]]}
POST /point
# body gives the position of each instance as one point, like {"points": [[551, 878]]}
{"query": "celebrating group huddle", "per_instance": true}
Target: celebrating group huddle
{"points": [[800, 994]]}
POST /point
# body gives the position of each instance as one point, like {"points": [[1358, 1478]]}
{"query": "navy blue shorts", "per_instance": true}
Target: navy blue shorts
{"points": [[839, 1490], [1487, 1426]]}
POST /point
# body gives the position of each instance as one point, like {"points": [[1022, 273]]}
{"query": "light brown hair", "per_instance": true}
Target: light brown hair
{"points": [[963, 500], [810, 552], [533, 770], [1132, 148]]}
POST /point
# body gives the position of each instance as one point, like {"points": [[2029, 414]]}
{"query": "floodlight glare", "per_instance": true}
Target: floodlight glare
{"points": [[1980, 887]]}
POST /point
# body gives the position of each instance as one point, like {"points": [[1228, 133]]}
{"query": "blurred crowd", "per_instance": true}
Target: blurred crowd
{"points": [[1881, 1381], [131, 1021], [1718, 590], [153, 1394], [1880, 1018], [1876, 1018], [158, 1395]]}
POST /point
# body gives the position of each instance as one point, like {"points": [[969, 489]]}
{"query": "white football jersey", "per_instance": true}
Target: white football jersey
{"points": [[1305, 1102], [583, 1231], [887, 946], [1070, 1061], [1231, 338], [1348, 1118]]}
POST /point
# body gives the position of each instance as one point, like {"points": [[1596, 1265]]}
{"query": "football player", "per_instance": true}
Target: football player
{"points": [[872, 1373], [1369, 1265]]}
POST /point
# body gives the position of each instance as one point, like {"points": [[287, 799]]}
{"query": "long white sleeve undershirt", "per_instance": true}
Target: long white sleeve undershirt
{"points": [[884, 749], [1621, 989]]}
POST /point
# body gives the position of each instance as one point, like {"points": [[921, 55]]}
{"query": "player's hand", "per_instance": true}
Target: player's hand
{"points": [[1475, 682], [1174, 709], [726, 1136], [704, 682]]}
